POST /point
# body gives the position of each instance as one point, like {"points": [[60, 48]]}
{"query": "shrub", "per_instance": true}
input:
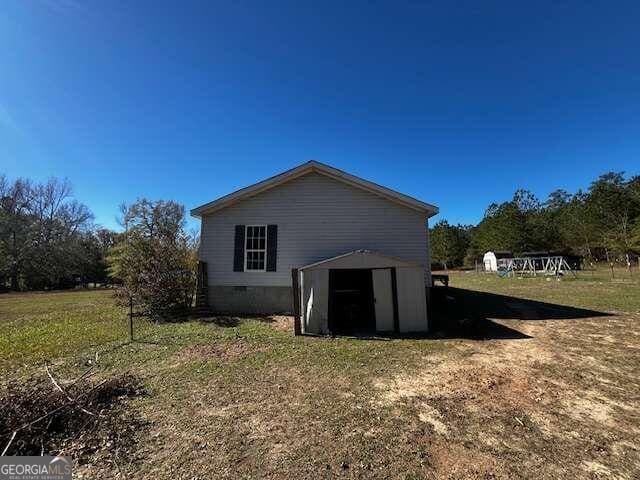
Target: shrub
{"points": [[156, 259]]}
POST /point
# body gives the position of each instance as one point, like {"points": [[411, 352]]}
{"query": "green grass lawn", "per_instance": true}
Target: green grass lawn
{"points": [[77, 324], [36, 326], [244, 398]]}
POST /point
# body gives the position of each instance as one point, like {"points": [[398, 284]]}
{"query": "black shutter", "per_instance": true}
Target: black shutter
{"points": [[272, 247], [238, 250]]}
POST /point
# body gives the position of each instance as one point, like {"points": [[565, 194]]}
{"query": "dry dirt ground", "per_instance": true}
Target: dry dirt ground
{"points": [[564, 403]]}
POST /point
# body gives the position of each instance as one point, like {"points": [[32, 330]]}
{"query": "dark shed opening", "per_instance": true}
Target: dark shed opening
{"points": [[351, 301]]}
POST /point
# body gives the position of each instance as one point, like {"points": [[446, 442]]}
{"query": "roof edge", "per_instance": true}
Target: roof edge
{"points": [[361, 252], [323, 169]]}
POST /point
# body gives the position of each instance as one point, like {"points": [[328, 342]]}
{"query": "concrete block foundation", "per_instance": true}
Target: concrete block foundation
{"points": [[252, 300]]}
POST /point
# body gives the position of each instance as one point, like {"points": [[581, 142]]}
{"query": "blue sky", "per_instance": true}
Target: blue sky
{"points": [[455, 103]]}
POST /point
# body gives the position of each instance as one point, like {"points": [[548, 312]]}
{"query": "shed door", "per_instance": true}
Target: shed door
{"points": [[383, 298]]}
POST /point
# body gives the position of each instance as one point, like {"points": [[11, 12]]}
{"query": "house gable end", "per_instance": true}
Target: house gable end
{"points": [[321, 169]]}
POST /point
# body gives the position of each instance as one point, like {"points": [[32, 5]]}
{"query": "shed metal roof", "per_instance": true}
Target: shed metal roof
{"points": [[368, 259]]}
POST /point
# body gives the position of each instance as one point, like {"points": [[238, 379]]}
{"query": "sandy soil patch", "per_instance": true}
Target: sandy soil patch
{"points": [[283, 323], [224, 350], [534, 402]]}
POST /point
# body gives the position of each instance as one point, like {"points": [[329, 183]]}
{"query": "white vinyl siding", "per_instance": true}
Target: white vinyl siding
{"points": [[317, 218]]}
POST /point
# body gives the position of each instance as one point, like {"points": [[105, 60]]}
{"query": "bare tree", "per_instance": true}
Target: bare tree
{"points": [[43, 232], [15, 207]]}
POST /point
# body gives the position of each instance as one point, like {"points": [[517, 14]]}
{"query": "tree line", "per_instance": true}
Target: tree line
{"points": [[600, 224], [47, 238]]}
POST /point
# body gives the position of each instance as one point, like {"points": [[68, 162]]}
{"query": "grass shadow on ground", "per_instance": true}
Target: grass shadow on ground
{"points": [[492, 305], [220, 320], [232, 320], [463, 313]]}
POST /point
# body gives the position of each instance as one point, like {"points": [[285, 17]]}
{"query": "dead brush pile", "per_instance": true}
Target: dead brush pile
{"points": [[80, 418]]}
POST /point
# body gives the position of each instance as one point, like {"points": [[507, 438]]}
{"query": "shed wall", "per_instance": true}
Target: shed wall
{"points": [[490, 262], [412, 301]]}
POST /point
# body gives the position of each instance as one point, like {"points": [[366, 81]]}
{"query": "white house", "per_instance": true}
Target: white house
{"points": [[253, 238]]}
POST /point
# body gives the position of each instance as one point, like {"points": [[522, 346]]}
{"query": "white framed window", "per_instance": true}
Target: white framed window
{"points": [[255, 248]]}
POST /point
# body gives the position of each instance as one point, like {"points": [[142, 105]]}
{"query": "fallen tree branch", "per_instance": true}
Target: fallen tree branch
{"points": [[9, 444], [87, 373], [56, 410], [67, 396]]}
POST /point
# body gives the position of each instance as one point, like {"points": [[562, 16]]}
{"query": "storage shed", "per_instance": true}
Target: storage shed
{"points": [[491, 262], [362, 292]]}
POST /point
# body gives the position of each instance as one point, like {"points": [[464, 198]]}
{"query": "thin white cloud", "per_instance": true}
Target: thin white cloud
{"points": [[66, 6], [8, 122]]}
